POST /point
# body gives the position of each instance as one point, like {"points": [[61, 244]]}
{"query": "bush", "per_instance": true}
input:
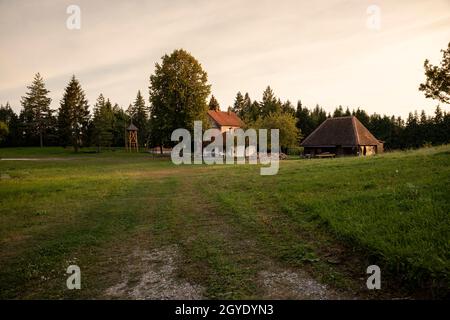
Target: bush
{"points": [[294, 151]]}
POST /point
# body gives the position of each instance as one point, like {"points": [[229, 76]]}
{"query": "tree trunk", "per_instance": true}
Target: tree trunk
{"points": [[75, 144], [41, 140]]}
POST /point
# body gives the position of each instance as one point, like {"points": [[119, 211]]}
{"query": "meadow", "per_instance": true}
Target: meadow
{"points": [[226, 232]]}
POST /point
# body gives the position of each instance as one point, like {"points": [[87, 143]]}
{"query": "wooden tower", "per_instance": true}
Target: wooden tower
{"points": [[132, 138]]}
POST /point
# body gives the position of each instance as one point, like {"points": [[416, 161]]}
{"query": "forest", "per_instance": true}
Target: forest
{"points": [[104, 125]]}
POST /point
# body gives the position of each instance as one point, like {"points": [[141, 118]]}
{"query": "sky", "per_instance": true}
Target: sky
{"points": [[330, 53]]}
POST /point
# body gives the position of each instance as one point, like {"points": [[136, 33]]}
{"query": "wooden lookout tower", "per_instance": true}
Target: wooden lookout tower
{"points": [[132, 138]]}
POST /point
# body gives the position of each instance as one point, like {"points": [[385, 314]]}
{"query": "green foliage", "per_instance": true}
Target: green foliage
{"points": [[288, 108], [103, 123], [294, 151], [238, 106], [178, 93], [396, 133], [4, 130], [119, 125], [138, 113], [36, 115], [269, 104], [73, 116], [213, 104], [9, 117], [285, 122], [437, 85]]}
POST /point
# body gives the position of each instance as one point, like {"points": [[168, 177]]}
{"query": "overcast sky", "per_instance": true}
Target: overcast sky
{"points": [[317, 51]]}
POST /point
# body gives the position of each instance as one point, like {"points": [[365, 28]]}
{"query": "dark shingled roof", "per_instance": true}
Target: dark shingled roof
{"points": [[132, 127], [343, 131], [225, 118]]}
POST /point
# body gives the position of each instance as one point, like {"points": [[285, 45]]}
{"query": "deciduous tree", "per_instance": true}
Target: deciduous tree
{"points": [[178, 95], [437, 84]]}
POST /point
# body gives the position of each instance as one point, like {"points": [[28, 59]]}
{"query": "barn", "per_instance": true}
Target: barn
{"points": [[342, 136]]}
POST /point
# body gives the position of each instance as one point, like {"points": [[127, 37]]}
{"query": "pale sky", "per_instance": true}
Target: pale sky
{"points": [[321, 52]]}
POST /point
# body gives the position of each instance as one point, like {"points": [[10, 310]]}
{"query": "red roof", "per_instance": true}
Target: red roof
{"points": [[225, 118]]}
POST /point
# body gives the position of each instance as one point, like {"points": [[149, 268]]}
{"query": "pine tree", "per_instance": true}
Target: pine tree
{"points": [[214, 104], [338, 112], [255, 112], [246, 107], [287, 108], [439, 130], [36, 110], [140, 118], [269, 103], [102, 123], [318, 115], [73, 116], [238, 105], [120, 123], [304, 120], [362, 116]]}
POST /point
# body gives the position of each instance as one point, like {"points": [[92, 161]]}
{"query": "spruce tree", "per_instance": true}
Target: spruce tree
{"points": [[73, 116], [255, 111], [304, 120], [102, 123], [338, 112], [287, 108], [238, 104], [246, 107], [37, 115], [140, 117], [214, 104], [120, 123], [269, 103]]}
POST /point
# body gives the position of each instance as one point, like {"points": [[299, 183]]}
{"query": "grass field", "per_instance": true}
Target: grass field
{"points": [[223, 231]]}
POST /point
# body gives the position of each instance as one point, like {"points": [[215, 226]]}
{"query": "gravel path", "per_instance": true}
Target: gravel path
{"points": [[151, 275]]}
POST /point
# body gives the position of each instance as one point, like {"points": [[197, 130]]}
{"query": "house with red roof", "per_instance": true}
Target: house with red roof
{"points": [[224, 120]]}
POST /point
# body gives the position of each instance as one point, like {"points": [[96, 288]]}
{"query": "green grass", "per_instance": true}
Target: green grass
{"points": [[331, 217]]}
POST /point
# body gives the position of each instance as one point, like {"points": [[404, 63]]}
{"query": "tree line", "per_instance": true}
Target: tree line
{"points": [[417, 130], [178, 93], [73, 124]]}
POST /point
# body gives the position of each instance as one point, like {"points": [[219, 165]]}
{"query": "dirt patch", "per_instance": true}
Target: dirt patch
{"points": [[298, 285], [151, 275]]}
